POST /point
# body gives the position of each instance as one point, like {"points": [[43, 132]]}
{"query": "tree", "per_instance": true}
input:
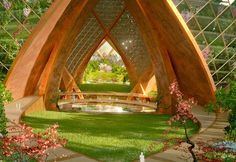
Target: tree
{"points": [[183, 113], [226, 99]]}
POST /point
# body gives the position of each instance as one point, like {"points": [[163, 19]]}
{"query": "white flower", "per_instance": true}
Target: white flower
{"points": [[186, 15], [6, 4], [105, 67], [26, 11]]}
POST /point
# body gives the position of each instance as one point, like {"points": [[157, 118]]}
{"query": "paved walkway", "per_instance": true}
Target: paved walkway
{"points": [[211, 131]]}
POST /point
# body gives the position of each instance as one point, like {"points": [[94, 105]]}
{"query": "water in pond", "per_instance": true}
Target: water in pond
{"points": [[101, 108], [104, 108]]}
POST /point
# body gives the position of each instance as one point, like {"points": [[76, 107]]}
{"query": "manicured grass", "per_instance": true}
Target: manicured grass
{"points": [[105, 87], [110, 137]]}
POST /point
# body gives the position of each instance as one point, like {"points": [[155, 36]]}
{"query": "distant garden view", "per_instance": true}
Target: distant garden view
{"points": [[106, 66], [105, 72]]}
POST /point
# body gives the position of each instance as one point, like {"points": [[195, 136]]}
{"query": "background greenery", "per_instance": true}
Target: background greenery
{"points": [[5, 97], [226, 100], [211, 23], [105, 87], [15, 28], [93, 74]]}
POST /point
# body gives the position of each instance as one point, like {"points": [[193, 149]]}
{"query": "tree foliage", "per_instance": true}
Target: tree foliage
{"points": [[183, 113], [93, 72], [5, 97], [226, 99]]}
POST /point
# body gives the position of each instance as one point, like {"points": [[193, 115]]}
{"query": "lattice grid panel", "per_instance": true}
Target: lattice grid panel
{"points": [[17, 19], [90, 33], [128, 36], [213, 24], [108, 10]]}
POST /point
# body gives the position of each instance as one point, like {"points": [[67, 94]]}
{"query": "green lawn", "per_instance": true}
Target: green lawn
{"points": [[105, 87], [110, 137]]}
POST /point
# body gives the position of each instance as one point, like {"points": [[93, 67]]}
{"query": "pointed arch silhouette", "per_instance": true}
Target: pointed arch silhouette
{"points": [[165, 47]]}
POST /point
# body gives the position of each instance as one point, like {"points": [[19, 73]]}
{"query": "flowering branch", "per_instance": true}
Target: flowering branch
{"points": [[33, 145], [183, 107], [183, 113]]}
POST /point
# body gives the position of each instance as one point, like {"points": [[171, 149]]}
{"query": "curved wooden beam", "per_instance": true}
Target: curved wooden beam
{"points": [[33, 56], [58, 27], [129, 66], [177, 43], [143, 81], [78, 13], [39, 66], [163, 69]]}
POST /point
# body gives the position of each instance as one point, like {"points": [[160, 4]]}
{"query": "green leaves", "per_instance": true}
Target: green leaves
{"points": [[94, 74], [226, 99], [5, 97]]}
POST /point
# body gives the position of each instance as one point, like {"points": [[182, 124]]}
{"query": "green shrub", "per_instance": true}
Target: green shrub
{"points": [[153, 95], [5, 96], [231, 105], [103, 77], [211, 107], [93, 73], [226, 99], [105, 87]]}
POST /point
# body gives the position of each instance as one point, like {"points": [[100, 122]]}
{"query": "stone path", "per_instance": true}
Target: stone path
{"points": [[13, 113], [211, 130]]}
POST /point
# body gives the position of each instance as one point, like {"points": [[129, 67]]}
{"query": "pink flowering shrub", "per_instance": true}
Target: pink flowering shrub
{"points": [[187, 15], [30, 144], [183, 113], [206, 53], [7, 5], [105, 67], [183, 107]]}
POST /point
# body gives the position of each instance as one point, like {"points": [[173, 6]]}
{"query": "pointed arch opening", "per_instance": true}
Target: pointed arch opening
{"points": [[105, 71]]}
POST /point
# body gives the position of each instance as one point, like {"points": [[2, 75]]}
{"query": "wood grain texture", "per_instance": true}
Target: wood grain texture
{"points": [[39, 66]]}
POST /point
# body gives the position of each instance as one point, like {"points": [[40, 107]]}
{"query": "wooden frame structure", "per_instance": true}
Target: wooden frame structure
{"points": [[173, 52]]}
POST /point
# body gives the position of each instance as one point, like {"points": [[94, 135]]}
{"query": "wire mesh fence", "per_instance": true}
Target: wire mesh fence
{"points": [[212, 23], [18, 18]]}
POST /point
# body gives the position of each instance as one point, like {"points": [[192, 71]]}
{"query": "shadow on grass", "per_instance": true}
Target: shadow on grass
{"points": [[109, 137]]}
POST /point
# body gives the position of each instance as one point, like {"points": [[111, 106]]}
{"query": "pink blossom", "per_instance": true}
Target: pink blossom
{"points": [[187, 15], [183, 106], [32, 144], [7, 4], [105, 67], [206, 53]]}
